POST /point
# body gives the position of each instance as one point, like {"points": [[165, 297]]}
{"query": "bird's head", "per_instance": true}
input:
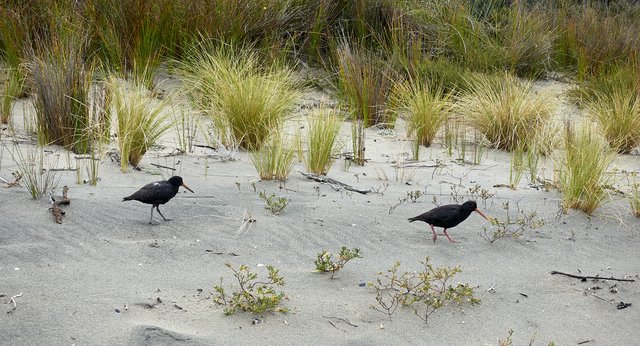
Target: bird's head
{"points": [[472, 206], [177, 181]]}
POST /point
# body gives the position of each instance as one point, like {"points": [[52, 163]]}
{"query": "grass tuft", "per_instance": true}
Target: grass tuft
{"points": [[274, 159], [618, 116], [142, 120], [323, 132], [505, 110], [583, 172]]}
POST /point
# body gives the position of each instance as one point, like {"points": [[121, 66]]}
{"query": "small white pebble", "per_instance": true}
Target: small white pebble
{"points": [[139, 264], [381, 326], [285, 322], [260, 265], [16, 268]]}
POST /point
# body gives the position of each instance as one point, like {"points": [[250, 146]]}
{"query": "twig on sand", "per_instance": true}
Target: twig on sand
{"points": [[247, 223], [161, 166], [16, 180], [584, 278], [55, 209], [340, 319], [13, 300], [336, 185], [417, 165]]}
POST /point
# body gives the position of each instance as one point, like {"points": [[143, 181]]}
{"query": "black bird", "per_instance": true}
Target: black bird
{"points": [[447, 216], [158, 193]]}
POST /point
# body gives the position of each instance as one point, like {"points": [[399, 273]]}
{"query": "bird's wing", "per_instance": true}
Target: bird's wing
{"points": [[149, 191]]}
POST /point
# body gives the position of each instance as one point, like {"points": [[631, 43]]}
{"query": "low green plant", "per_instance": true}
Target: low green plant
{"points": [[239, 92], [424, 291], [325, 264], [618, 116], [583, 169], [424, 108], [505, 110], [142, 120], [252, 295], [323, 132], [275, 204], [274, 159], [512, 227]]}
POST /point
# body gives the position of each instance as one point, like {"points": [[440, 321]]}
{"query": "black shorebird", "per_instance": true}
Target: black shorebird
{"points": [[158, 193], [447, 216]]}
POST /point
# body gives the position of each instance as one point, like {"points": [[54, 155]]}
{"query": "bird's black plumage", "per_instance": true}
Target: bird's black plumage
{"points": [[156, 193], [447, 216]]}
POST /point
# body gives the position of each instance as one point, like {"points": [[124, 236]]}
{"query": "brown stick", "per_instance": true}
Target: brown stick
{"points": [[584, 278], [57, 212]]}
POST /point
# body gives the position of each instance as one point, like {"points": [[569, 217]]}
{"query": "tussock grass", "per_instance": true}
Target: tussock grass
{"points": [[505, 110], [583, 172], [274, 159], [239, 92], [61, 80], [424, 108], [323, 132], [142, 120], [11, 90], [618, 117]]}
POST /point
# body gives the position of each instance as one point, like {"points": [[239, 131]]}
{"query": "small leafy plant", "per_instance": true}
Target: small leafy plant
{"points": [[252, 296], [275, 204], [326, 265], [424, 291], [512, 227]]}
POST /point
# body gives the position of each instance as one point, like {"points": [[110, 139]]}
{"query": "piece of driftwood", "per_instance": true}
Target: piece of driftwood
{"points": [[57, 212], [336, 185], [584, 278]]}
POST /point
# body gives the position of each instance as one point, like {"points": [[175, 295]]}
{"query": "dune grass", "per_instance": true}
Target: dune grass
{"points": [[61, 80], [37, 175], [273, 161], [425, 109], [11, 90], [241, 93], [323, 132], [618, 116], [583, 169], [505, 110], [142, 120], [634, 195]]}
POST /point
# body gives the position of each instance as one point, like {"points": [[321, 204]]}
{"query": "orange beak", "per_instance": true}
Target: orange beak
{"points": [[481, 214], [186, 187]]}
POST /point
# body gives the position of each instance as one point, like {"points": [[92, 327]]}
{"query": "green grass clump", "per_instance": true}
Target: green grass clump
{"points": [[505, 110], [274, 159], [323, 132], [252, 295], [275, 204], [583, 172], [425, 109], [142, 120], [240, 92], [11, 90], [634, 196], [618, 116]]}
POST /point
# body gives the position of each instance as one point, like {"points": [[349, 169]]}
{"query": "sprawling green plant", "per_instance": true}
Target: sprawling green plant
{"points": [[239, 92], [325, 264], [618, 116], [323, 132], [583, 174], [505, 110], [142, 120], [252, 295]]}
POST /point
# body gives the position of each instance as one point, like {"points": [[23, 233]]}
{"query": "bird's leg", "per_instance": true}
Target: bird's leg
{"points": [[450, 240], [164, 218], [151, 219], [435, 235]]}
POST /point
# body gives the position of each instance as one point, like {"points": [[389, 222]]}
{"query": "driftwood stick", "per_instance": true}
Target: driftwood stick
{"points": [[336, 185], [584, 278], [13, 300], [161, 166], [55, 209]]}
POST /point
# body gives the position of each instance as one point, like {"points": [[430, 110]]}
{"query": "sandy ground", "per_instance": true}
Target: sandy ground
{"points": [[105, 276]]}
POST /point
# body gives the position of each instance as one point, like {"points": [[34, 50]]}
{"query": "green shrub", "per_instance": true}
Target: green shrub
{"points": [[324, 263]]}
